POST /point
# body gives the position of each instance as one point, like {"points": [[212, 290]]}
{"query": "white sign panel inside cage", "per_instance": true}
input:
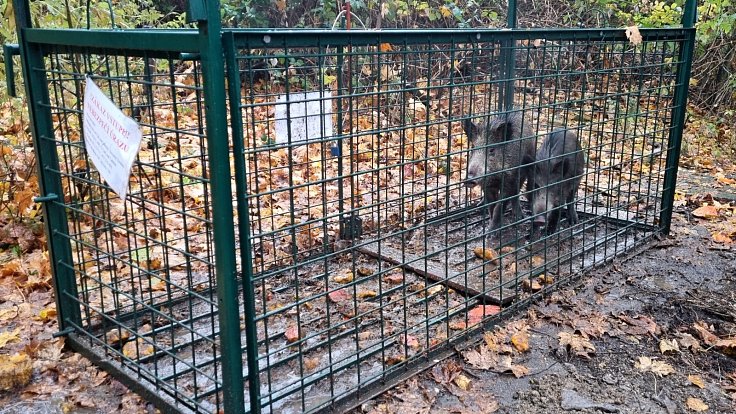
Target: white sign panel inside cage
{"points": [[303, 116]]}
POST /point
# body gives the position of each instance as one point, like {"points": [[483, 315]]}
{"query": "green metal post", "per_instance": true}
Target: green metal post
{"points": [[52, 194], [213, 74], [246, 254], [508, 62], [678, 115]]}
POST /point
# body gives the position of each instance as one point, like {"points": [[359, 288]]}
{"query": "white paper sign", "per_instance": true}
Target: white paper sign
{"points": [[309, 116], [112, 139]]}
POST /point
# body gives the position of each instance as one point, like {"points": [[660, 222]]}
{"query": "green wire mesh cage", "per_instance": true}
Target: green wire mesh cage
{"points": [[324, 242]]}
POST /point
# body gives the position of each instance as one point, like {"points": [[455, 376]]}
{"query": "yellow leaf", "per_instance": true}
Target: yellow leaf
{"points": [[463, 382], [386, 47], [531, 285], [137, 349], [328, 79], [520, 341], [445, 11], [720, 237], [363, 294], [47, 314], [486, 253], [696, 404], [15, 371], [7, 337], [546, 279], [159, 286], [344, 277], [696, 380]]}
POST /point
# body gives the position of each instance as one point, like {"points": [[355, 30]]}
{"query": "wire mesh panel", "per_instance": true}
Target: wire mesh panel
{"points": [[143, 266], [371, 250]]}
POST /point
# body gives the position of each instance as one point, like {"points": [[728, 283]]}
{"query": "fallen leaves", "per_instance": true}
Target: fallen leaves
{"points": [[576, 344], [9, 336], [486, 254], [137, 349], [646, 364], [632, 33], [292, 334], [476, 315], [668, 345], [520, 340], [724, 345], [339, 296], [15, 371], [696, 380], [344, 277], [706, 212], [500, 346], [638, 325], [696, 404]]}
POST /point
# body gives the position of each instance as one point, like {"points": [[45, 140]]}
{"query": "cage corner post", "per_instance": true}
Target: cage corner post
{"points": [[206, 14], [508, 62], [674, 143], [52, 194]]}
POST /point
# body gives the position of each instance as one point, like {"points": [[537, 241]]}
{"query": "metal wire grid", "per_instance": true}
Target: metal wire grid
{"points": [[339, 311], [144, 266]]}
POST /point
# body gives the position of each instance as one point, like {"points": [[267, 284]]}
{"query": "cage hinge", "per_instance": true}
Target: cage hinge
{"points": [[46, 198], [196, 11], [65, 332]]}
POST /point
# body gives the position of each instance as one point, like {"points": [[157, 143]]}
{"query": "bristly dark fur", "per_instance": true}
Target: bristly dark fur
{"points": [[501, 161]]}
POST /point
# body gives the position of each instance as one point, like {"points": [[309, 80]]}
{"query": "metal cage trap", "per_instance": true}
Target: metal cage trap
{"points": [[299, 233]]}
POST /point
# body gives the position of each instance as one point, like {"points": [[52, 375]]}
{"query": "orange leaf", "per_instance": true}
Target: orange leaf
{"points": [[479, 312], [292, 334], [706, 212]]}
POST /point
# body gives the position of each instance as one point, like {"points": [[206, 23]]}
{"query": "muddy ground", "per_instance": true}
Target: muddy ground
{"points": [[680, 289], [625, 311]]}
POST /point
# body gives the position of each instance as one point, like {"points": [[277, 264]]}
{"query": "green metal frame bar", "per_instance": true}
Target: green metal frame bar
{"points": [[268, 39], [56, 225], [246, 255], [678, 115], [162, 40], [209, 43], [508, 62], [10, 50]]}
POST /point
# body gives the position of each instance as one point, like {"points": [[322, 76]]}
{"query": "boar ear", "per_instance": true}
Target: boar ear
{"points": [[471, 130], [505, 128]]}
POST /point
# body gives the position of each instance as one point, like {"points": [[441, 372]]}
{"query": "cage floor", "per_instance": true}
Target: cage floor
{"points": [[387, 321]]}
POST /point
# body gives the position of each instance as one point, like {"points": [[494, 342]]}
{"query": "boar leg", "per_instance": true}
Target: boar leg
{"points": [[572, 214]]}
